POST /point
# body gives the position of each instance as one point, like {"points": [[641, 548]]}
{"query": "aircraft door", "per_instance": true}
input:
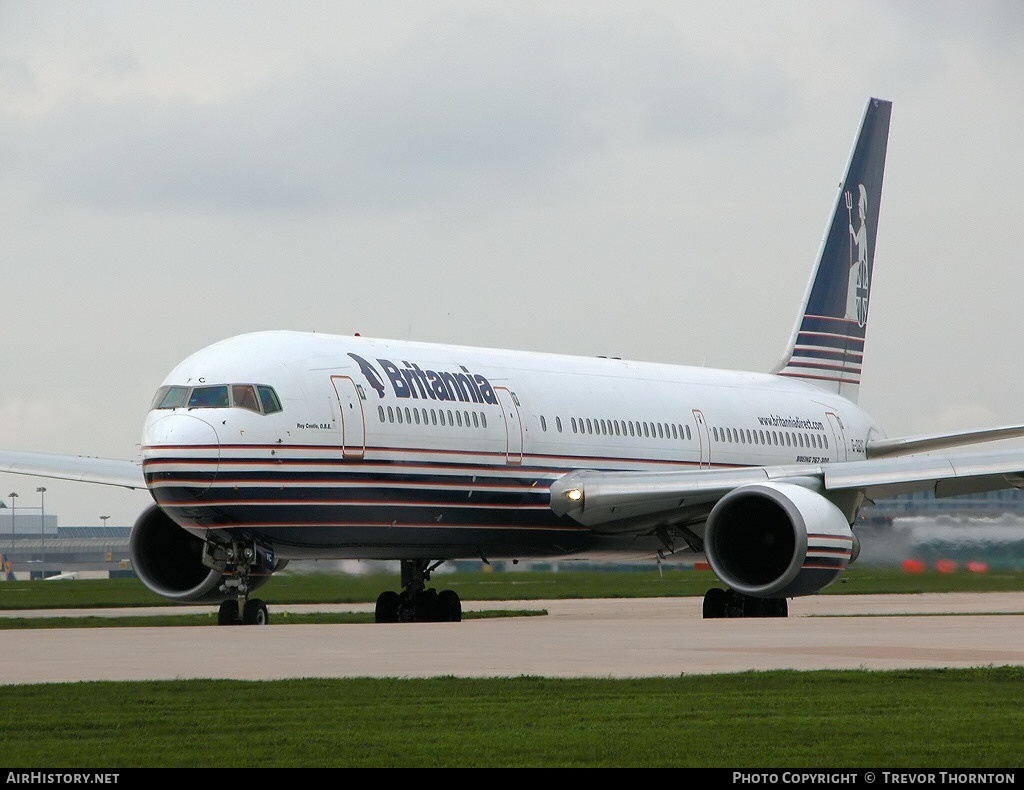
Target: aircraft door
{"points": [[838, 434], [704, 438], [353, 426], [513, 426]]}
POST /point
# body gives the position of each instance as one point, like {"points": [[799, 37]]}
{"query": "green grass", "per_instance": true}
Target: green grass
{"points": [[325, 587], [942, 719]]}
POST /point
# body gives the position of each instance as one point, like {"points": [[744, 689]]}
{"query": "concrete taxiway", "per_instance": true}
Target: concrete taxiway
{"points": [[609, 638]]}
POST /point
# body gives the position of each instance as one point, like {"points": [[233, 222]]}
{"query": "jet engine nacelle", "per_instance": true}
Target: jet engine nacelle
{"points": [[168, 560], [778, 540]]}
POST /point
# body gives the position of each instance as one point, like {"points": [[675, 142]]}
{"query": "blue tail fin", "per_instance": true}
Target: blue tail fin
{"points": [[827, 348]]}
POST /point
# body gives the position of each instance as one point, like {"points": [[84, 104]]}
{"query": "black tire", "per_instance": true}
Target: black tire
{"points": [[755, 607], [228, 613], [255, 613], [740, 605], [427, 609], [449, 606], [715, 603], [386, 610]]}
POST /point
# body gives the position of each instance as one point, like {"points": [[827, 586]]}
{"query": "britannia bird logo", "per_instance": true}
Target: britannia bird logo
{"points": [[371, 375]]}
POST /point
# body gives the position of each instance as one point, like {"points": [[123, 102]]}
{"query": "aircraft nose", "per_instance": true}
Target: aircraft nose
{"points": [[180, 450], [180, 430]]}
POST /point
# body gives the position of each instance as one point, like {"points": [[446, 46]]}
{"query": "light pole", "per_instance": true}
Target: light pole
{"points": [[42, 529], [13, 495], [104, 520]]}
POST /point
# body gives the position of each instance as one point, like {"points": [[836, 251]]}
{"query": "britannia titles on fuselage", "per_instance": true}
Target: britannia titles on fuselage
{"points": [[412, 381]]}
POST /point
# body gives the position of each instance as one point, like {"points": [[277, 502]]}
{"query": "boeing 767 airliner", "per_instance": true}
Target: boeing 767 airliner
{"points": [[278, 446]]}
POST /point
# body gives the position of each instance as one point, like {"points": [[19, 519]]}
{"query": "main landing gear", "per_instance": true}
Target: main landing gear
{"points": [[417, 604], [729, 603]]}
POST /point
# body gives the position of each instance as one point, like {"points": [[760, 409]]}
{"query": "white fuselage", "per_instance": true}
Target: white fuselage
{"points": [[383, 448]]}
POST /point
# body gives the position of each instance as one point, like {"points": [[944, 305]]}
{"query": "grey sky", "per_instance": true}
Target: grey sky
{"points": [[647, 180]]}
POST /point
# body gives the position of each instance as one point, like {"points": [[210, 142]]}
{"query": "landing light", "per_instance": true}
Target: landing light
{"points": [[574, 494]]}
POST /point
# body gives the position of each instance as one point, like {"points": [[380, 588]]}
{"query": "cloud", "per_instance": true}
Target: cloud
{"points": [[451, 112]]}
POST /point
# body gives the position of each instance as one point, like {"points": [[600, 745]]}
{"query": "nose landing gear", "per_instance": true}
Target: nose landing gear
{"points": [[243, 612], [245, 567]]}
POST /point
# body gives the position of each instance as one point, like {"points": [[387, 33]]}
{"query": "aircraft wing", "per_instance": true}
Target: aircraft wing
{"points": [[879, 448], [617, 501], [946, 475], [81, 468]]}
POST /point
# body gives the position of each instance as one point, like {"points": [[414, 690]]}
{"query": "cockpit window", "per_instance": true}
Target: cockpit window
{"points": [[244, 397], [260, 398], [208, 398], [268, 398], [170, 397]]}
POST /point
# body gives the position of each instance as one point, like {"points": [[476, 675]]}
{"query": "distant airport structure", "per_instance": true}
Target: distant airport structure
{"points": [[980, 531], [991, 504], [977, 530], [35, 546]]}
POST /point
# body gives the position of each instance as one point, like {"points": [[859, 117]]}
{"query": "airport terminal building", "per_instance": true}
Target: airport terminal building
{"points": [[34, 546]]}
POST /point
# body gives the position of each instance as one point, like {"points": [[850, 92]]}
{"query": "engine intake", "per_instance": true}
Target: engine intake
{"points": [[168, 560], [777, 540]]}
